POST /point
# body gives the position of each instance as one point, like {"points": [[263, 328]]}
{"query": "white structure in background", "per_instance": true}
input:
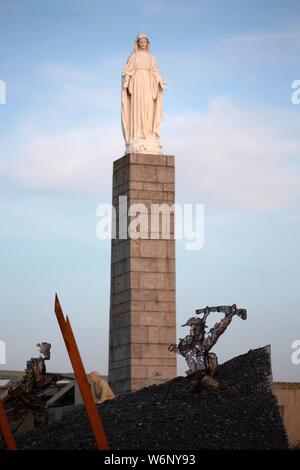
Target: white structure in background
{"points": [[2, 352], [2, 92]]}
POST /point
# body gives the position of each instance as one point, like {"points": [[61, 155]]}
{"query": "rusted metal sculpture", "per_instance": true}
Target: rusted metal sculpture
{"points": [[75, 358], [196, 346], [6, 430], [35, 372], [25, 396]]}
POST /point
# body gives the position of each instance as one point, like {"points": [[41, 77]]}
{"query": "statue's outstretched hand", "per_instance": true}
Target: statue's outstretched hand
{"points": [[163, 84], [125, 81]]}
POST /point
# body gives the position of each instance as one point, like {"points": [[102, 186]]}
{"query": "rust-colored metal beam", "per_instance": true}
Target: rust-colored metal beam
{"points": [[5, 428], [78, 367]]}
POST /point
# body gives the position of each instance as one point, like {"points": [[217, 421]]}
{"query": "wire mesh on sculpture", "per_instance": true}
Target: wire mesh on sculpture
{"points": [[196, 346]]}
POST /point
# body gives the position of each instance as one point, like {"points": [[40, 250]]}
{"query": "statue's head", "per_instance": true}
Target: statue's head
{"points": [[95, 376], [44, 350], [197, 326], [142, 42], [198, 331]]}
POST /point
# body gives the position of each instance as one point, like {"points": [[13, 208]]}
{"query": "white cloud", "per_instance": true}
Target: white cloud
{"points": [[285, 35], [226, 157], [73, 97], [170, 7], [63, 71], [236, 158], [75, 161], [72, 88]]}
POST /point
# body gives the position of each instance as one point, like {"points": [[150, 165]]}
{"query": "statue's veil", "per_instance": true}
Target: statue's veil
{"points": [[140, 36]]}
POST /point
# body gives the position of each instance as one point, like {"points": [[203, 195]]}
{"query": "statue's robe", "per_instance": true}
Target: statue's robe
{"points": [[142, 102]]}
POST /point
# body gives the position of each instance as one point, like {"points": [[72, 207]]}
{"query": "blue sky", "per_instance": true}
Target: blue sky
{"points": [[228, 119]]}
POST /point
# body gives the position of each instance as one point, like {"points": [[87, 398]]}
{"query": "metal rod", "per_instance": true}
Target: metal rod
{"points": [[78, 367], [5, 428]]}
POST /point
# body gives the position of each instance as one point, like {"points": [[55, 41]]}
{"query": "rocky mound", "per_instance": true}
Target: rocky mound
{"points": [[242, 414]]}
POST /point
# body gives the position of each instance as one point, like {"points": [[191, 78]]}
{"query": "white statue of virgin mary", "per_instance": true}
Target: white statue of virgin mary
{"points": [[142, 90]]}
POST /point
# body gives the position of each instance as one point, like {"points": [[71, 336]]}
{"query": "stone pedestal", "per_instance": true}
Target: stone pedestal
{"points": [[142, 307]]}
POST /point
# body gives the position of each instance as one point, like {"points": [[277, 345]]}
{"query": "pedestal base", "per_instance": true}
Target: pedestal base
{"points": [[142, 311], [150, 145]]}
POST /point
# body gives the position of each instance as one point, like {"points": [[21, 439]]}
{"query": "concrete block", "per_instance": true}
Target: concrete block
{"points": [[161, 372], [144, 295], [166, 295], [155, 248], [155, 187], [166, 265], [152, 318], [143, 173], [170, 187], [165, 174], [139, 335], [156, 306], [120, 373], [137, 305], [119, 321], [148, 159], [121, 267], [153, 334], [121, 297], [144, 264], [121, 283], [119, 337], [118, 309], [155, 350], [139, 372], [169, 319], [167, 335], [118, 353]]}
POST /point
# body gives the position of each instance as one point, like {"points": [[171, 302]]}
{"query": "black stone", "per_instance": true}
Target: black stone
{"points": [[242, 414]]}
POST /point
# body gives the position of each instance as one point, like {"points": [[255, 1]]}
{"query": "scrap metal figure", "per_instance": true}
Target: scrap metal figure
{"points": [[195, 347], [25, 396], [35, 372]]}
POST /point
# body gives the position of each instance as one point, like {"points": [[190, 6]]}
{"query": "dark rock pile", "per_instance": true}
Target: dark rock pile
{"points": [[242, 414]]}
